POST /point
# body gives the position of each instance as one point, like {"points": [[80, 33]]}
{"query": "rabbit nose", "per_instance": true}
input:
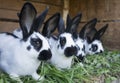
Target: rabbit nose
{"points": [[101, 51], [69, 51], [45, 55]]}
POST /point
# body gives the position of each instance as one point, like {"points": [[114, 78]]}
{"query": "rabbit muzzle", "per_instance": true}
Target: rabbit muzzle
{"points": [[70, 51], [45, 55]]}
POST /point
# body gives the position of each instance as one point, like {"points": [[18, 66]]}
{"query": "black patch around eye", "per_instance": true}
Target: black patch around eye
{"points": [[94, 47], [36, 43], [62, 41], [28, 48]]}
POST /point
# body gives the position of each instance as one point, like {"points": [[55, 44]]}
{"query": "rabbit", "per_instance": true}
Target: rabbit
{"points": [[79, 42], [91, 37], [62, 45], [94, 45], [22, 56]]}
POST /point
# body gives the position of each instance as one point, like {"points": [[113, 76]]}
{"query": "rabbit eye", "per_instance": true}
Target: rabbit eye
{"points": [[37, 43], [62, 41], [94, 47]]}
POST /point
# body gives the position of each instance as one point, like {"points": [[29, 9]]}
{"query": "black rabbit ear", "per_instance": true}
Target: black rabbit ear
{"points": [[26, 18], [39, 21], [61, 26], [89, 40], [87, 28], [72, 28], [100, 33], [68, 21], [50, 25]]}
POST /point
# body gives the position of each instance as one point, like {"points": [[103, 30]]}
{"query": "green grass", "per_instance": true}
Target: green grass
{"points": [[95, 67]]}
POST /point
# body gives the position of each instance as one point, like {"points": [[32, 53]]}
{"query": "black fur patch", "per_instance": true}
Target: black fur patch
{"points": [[99, 52], [45, 55], [36, 43], [11, 34], [83, 49], [28, 48], [80, 58], [62, 41], [70, 51], [94, 47]]}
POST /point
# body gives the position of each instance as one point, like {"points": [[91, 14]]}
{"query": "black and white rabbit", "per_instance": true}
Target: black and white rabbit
{"points": [[91, 37], [79, 41], [62, 45], [94, 45], [22, 56]]}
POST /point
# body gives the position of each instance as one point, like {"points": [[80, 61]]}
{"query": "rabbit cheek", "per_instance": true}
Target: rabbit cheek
{"points": [[70, 51], [45, 55]]}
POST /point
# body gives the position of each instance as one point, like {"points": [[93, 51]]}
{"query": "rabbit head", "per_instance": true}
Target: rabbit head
{"points": [[65, 43], [94, 45]]}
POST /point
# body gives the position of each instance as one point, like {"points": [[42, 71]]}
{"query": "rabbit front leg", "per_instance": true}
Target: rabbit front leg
{"points": [[15, 77], [37, 77]]}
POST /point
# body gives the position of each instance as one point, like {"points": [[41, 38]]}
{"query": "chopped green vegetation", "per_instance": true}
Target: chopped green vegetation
{"points": [[103, 67]]}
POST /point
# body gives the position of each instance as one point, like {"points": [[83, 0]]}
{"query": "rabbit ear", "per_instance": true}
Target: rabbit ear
{"points": [[74, 23], [100, 33], [68, 21], [61, 26], [39, 21], [26, 18], [50, 25], [87, 28], [89, 40]]}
